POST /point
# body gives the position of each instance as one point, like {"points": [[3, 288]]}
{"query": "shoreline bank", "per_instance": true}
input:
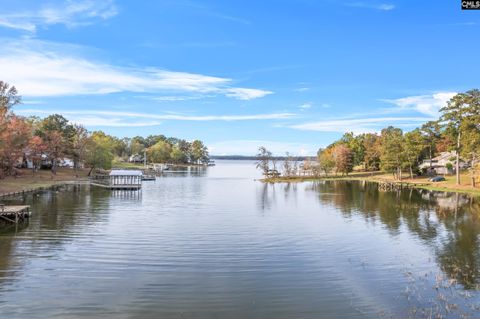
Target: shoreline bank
{"points": [[380, 177], [26, 182]]}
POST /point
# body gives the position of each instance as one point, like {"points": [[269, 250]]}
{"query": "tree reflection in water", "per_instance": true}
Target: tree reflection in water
{"points": [[447, 222], [62, 211]]}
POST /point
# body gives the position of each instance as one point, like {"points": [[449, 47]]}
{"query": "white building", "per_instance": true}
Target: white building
{"points": [[442, 164]]}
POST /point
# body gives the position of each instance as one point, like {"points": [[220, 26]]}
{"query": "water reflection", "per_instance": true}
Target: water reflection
{"points": [[185, 171], [447, 222], [58, 214], [213, 243]]}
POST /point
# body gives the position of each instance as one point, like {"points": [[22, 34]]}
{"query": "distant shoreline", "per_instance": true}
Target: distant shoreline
{"points": [[254, 158]]}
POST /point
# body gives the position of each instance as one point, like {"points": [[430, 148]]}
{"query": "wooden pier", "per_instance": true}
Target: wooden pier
{"points": [[14, 214], [388, 186]]}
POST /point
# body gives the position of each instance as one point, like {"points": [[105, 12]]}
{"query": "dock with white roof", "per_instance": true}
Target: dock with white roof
{"points": [[119, 179]]}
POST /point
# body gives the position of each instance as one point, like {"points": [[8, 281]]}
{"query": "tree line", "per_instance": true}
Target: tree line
{"points": [[49, 140], [396, 152]]}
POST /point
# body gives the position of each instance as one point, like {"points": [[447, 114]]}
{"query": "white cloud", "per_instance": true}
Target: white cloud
{"points": [[69, 13], [246, 94], [172, 98], [31, 102], [425, 104], [386, 7], [357, 126], [118, 118], [305, 106], [43, 69], [250, 147], [376, 6], [91, 120]]}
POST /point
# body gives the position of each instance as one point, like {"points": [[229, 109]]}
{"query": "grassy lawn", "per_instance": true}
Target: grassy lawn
{"points": [[127, 165], [43, 178]]}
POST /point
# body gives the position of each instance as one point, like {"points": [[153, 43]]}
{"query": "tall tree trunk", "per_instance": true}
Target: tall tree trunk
{"points": [[54, 167], [457, 165], [472, 170], [430, 156], [411, 172]]}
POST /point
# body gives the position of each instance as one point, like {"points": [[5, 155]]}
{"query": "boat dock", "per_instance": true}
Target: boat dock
{"points": [[14, 214], [119, 180], [388, 186]]}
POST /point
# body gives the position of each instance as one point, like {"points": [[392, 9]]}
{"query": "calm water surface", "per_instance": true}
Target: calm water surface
{"points": [[213, 243]]}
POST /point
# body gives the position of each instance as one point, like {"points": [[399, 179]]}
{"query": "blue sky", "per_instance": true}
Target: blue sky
{"points": [[292, 75]]}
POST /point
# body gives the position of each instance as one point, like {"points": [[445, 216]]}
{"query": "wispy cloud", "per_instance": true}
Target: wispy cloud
{"points": [[463, 24], [376, 6], [250, 147], [425, 104], [32, 102], [118, 118], [362, 125], [208, 44], [305, 106], [69, 13], [302, 89], [246, 94], [173, 98], [40, 69], [201, 8], [103, 121]]}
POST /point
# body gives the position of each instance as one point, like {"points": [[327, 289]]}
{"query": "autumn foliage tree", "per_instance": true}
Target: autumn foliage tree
{"points": [[15, 140], [326, 161], [371, 143], [36, 150], [392, 151], [343, 157], [57, 134], [461, 116]]}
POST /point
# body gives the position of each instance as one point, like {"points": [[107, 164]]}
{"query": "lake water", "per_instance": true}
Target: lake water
{"points": [[214, 243]]}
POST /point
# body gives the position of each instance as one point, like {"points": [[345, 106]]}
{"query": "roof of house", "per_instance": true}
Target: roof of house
{"points": [[126, 172], [445, 156]]}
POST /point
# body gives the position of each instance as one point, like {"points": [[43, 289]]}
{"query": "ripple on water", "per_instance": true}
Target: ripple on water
{"points": [[217, 244]]}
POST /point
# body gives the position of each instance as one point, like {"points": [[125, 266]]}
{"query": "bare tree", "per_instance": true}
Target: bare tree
{"points": [[264, 157], [287, 165]]}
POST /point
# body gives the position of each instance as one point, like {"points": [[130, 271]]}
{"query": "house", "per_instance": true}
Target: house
{"points": [[136, 158], [66, 162], [44, 162], [442, 164]]}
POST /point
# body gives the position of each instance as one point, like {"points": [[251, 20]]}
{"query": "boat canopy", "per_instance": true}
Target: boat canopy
{"points": [[126, 172]]}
